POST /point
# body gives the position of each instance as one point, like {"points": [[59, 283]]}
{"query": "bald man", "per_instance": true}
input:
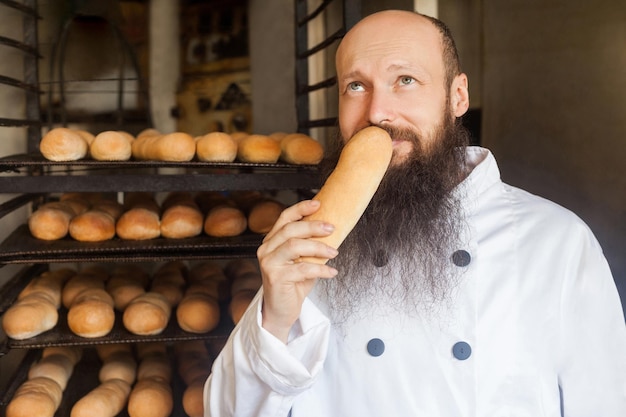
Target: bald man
{"points": [[455, 294]]}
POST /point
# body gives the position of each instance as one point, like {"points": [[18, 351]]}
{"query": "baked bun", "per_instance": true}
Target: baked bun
{"points": [[138, 224], [258, 149], [63, 144], [111, 146], [150, 398], [300, 149], [224, 221], [263, 215], [198, 313], [38, 396], [30, 316], [106, 400], [216, 147], [147, 314], [51, 221], [92, 226], [91, 313]]}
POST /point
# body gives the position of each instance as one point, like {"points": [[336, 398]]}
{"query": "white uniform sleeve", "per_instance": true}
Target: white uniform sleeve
{"points": [[258, 375], [592, 373]]}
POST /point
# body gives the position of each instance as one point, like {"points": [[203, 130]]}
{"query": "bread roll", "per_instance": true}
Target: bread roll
{"points": [[138, 224], [106, 400], [258, 149], [278, 136], [57, 367], [155, 366], [239, 303], [198, 313], [49, 283], [150, 398], [73, 353], [91, 314], [193, 400], [88, 136], [181, 221], [263, 215], [105, 351], [147, 314], [30, 316], [119, 365], [124, 290], [111, 146], [112, 207], [92, 226], [63, 144], [300, 149], [238, 267], [38, 396], [51, 221], [175, 147], [216, 147], [239, 136], [246, 281], [224, 221], [76, 285], [359, 171]]}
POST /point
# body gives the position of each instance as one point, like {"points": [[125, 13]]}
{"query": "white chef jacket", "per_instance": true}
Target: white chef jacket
{"points": [[535, 328]]}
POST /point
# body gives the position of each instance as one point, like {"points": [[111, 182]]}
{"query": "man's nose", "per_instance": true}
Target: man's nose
{"points": [[381, 107]]}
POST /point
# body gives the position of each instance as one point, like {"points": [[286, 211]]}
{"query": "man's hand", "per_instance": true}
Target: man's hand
{"points": [[286, 282]]}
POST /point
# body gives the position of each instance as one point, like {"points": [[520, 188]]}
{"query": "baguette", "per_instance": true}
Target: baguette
{"points": [[359, 171]]}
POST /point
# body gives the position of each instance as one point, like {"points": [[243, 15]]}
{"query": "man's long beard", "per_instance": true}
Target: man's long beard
{"points": [[399, 252]]}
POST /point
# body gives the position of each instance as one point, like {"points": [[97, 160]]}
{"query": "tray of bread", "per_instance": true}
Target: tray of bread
{"points": [[144, 379], [108, 303]]}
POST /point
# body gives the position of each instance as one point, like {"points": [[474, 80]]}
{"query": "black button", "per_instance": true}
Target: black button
{"points": [[375, 347], [381, 258], [461, 258], [461, 350]]}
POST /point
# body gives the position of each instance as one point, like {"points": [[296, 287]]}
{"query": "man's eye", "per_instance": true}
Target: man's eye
{"points": [[407, 80], [355, 86]]}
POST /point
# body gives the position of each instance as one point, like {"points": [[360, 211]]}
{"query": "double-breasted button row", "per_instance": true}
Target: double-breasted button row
{"points": [[460, 350]]}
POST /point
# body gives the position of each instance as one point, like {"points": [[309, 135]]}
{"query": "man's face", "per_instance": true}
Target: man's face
{"points": [[391, 73]]}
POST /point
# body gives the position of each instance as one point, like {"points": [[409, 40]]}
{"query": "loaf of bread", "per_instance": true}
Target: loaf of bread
{"points": [[30, 316], [57, 367], [119, 365], [169, 281], [106, 400], [50, 283], [111, 145], [152, 395], [258, 149], [216, 147], [138, 224], [123, 289], [300, 149], [359, 171], [198, 313], [225, 220], [92, 226], [39, 396], [181, 221], [264, 214], [193, 400], [77, 284], [147, 314], [63, 144], [194, 367], [51, 221], [154, 366], [239, 303], [73, 353], [174, 147], [91, 313]]}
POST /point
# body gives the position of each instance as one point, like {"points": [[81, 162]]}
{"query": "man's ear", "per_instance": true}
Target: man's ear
{"points": [[459, 95]]}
